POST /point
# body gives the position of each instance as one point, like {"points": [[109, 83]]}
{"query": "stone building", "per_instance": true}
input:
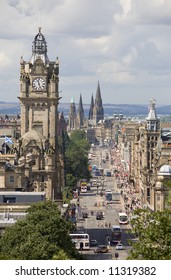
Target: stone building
{"points": [[147, 154], [38, 163]]}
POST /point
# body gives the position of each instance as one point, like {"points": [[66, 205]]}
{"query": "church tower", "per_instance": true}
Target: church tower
{"points": [[80, 114], [153, 123], [39, 98], [72, 115], [98, 113], [152, 135]]}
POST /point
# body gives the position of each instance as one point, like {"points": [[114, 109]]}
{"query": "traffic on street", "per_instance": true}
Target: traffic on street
{"points": [[101, 209]]}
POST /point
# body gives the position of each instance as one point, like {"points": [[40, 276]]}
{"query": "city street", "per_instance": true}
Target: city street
{"points": [[101, 229]]}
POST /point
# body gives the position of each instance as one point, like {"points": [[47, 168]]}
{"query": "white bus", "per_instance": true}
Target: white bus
{"points": [[81, 240], [123, 218]]}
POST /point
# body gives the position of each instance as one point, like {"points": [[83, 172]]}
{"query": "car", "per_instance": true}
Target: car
{"points": [[99, 215], [93, 243], [85, 215], [101, 249], [94, 183], [120, 246]]}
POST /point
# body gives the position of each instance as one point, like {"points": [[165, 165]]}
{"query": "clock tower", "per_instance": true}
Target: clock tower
{"points": [[39, 98]]}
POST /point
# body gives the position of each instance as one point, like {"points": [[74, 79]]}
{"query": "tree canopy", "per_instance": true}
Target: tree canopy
{"points": [[42, 235], [77, 155], [154, 235]]}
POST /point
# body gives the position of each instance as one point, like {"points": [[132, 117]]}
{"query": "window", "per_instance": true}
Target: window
{"points": [[11, 179]]}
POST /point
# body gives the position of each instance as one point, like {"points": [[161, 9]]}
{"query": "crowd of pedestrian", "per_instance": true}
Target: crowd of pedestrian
{"points": [[130, 196]]}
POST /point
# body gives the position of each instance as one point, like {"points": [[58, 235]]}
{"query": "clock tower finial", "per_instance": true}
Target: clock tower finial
{"points": [[39, 48]]}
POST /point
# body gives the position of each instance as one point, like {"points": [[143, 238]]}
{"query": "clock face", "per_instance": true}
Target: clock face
{"points": [[39, 83]]}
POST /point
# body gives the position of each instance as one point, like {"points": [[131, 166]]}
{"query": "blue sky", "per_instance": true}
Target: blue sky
{"points": [[123, 44]]}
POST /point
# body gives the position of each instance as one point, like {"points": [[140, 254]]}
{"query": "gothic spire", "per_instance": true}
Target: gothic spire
{"points": [[98, 100], [98, 112], [80, 114], [91, 108], [80, 105]]}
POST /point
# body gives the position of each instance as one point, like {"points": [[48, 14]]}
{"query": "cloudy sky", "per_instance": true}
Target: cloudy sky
{"points": [[123, 44]]}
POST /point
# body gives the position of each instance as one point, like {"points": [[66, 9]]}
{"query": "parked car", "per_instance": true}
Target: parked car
{"points": [[93, 243], [101, 249], [120, 246]]}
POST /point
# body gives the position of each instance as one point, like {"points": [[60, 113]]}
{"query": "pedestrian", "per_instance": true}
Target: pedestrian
{"points": [[116, 255]]}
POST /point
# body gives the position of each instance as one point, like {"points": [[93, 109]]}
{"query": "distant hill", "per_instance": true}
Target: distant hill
{"points": [[109, 109]]}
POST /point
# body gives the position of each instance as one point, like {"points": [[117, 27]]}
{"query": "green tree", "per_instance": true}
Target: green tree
{"points": [[79, 138], [167, 183], [44, 234], [78, 135], [154, 235], [77, 162], [70, 181], [76, 149]]}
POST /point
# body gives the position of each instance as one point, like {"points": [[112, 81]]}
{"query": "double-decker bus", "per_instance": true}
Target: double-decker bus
{"points": [[116, 234], [123, 218], [81, 240]]}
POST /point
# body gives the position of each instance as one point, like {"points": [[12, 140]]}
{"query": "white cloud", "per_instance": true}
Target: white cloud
{"points": [[125, 44], [4, 60]]}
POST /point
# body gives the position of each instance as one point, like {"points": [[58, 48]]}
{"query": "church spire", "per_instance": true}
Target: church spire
{"points": [[90, 117], [98, 113], [98, 94], [80, 105], [80, 114]]}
